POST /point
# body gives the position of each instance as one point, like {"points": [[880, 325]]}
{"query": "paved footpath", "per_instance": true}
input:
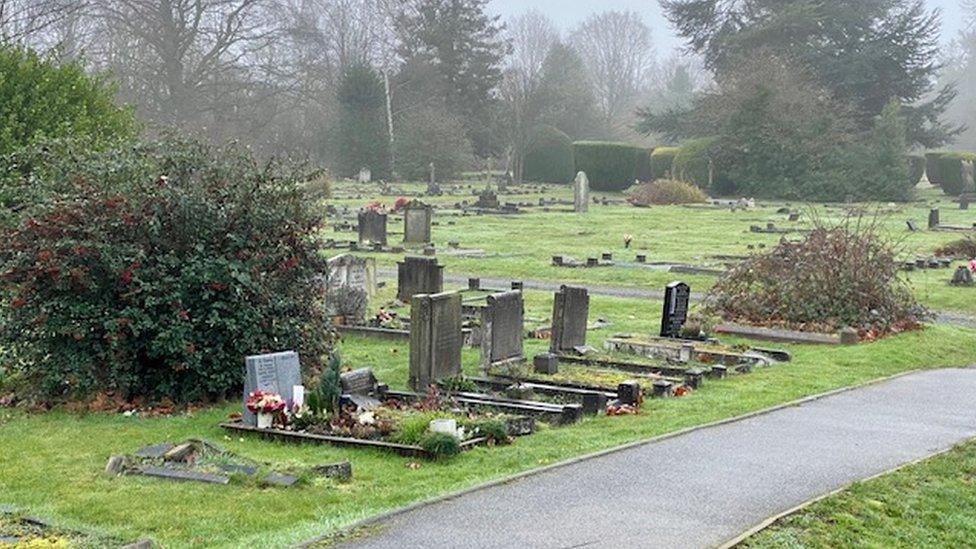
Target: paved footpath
{"points": [[708, 486]]}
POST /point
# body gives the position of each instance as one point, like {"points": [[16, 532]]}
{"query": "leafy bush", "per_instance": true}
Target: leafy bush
{"points": [[933, 167], [951, 172], [665, 191], [440, 445], [691, 164], [430, 136], [492, 428], [661, 160], [836, 277], [609, 166], [155, 269], [41, 100], [963, 248], [549, 158], [916, 169]]}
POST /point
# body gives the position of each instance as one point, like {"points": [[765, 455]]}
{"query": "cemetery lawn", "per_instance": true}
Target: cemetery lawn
{"points": [[51, 464], [929, 504]]}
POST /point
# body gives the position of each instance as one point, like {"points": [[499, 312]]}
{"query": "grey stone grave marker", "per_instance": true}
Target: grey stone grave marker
{"points": [[934, 221], [372, 227], [275, 373], [581, 193], [502, 322], [570, 312], [419, 275], [435, 339], [676, 298], [350, 270], [417, 218]]}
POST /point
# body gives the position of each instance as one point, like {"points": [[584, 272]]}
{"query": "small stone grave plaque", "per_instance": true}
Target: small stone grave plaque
{"points": [[676, 299], [275, 373]]}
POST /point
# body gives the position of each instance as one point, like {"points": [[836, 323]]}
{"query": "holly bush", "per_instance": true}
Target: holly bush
{"points": [[152, 271]]}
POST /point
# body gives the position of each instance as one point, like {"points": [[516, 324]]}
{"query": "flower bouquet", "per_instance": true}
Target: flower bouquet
{"points": [[265, 406]]}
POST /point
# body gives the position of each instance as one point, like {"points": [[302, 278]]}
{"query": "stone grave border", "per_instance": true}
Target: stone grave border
{"points": [[671, 349], [551, 413]]}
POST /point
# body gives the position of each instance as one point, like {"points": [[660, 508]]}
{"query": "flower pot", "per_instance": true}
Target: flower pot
{"points": [[265, 421]]}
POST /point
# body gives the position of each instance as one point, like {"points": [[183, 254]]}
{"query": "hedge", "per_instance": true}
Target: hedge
{"points": [[549, 157], [932, 168], [662, 158], [950, 171], [642, 158], [609, 166], [916, 168], [691, 163]]}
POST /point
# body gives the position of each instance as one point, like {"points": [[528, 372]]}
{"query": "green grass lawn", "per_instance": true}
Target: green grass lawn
{"points": [[930, 504], [51, 463]]}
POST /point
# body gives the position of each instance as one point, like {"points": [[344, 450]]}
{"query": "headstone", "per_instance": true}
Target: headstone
{"points": [[417, 218], [676, 298], [849, 336], [581, 193], [630, 393], [487, 199], [435, 339], [356, 272], [365, 175], [276, 373], [912, 226], [372, 227], [962, 277], [934, 218], [546, 363], [502, 323], [418, 275], [570, 312]]}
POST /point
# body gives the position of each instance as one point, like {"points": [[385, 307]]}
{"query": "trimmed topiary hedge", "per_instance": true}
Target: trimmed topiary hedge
{"points": [[609, 166], [662, 158], [951, 172], [642, 159], [916, 168], [549, 157], [933, 168], [691, 163]]}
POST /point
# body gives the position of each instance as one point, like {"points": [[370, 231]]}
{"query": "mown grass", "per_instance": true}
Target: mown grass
{"points": [[51, 463], [930, 504]]}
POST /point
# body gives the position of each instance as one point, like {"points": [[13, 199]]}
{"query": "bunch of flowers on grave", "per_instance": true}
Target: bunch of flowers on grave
{"points": [[400, 203], [972, 266], [387, 319], [261, 402], [375, 206]]}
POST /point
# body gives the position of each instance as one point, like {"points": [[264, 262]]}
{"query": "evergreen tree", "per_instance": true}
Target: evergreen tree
{"points": [[865, 53], [464, 44], [566, 93], [362, 138]]}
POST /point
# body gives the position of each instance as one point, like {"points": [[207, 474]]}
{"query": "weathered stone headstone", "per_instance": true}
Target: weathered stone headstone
{"points": [[967, 176], [417, 218], [581, 193], [962, 277], [435, 339], [502, 323], [570, 312], [488, 200], [934, 221], [275, 373], [356, 272], [372, 227], [365, 175], [676, 298], [418, 275]]}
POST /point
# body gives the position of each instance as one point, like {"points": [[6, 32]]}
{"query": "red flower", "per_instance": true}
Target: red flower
{"points": [[126, 277], [183, 314], [217, 286], [18, 302]]}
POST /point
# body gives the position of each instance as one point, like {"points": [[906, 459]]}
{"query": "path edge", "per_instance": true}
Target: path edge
{"points": [[382, 517]]}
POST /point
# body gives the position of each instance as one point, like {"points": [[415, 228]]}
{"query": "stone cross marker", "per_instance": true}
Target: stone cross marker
{"points": [[350, 270], [581, 193], [502, 323], [676, 298], [276, 373], [418, 275], [570, 312], [435, 339], [372, 227], [417, 218]]}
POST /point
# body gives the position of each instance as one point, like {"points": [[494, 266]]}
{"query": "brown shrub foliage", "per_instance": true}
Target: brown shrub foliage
{"points": [[964, 248], [837, 276], [665, 192]]}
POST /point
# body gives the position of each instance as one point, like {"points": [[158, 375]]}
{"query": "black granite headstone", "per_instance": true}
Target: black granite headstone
{"points": [[676, 298]]}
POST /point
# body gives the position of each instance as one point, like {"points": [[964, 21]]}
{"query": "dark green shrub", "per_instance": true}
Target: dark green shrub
{"points": [[609, 166], [643, 162], [41, 100], [916, 168], [549, 158], [362, 137], [661, 160], [666, 192], [933, 168], [440, 445], [691, 164], [951, 172], [155, 269]]}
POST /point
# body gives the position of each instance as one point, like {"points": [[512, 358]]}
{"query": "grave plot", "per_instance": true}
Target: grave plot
{"points": [[771, 228], [921, 263], [935, 224], [606, 259], [20, 530]]}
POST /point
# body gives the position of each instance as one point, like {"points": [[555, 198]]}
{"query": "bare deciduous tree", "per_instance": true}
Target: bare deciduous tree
{"points": [[26, 20]]}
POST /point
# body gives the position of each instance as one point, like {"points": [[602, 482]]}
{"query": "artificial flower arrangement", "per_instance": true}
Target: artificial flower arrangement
{"points": [[265, 405]]}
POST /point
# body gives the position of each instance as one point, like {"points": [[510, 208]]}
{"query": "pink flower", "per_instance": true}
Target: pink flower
{"points": [[972, 266]]}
